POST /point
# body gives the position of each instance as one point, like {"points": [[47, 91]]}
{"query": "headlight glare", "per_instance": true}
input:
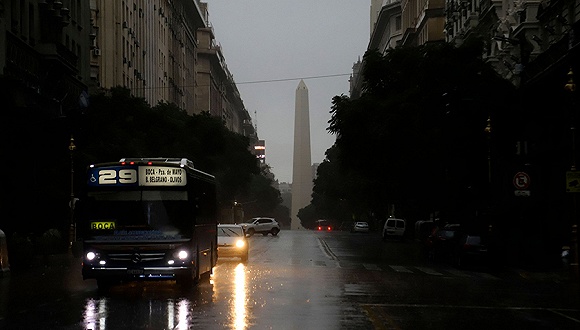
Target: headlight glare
{"points": [[240, 243], [182, 255], [91, 256]]}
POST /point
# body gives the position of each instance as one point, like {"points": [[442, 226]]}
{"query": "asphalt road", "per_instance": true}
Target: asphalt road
{"points": [[299, 280]]}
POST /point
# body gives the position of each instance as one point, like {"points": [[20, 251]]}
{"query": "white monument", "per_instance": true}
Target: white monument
{"points": [[301, 169]]}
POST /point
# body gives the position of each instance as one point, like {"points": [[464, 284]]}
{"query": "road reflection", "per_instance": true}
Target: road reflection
{"points": [[236, 288], [239, 307], [95, 314], [165, 305], [183, 308]]}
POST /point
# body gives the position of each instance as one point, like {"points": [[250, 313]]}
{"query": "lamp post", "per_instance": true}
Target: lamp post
{"points": [[488, 132], [72, 230], [571, 88]]}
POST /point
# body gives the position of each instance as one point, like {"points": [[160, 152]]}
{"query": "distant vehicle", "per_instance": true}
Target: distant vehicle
{"points": [[148, 219], [262, 225], [394, 228], [441, 244], [232, 242], [470, 249], [423, 228], [323, 225], [360, 227]]}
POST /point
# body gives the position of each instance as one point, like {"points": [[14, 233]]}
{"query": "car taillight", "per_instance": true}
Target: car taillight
{"points": [[319, 227], [328, 228]]}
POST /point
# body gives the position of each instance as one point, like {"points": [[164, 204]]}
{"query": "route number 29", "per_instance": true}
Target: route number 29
{"points": [[124, 176]]}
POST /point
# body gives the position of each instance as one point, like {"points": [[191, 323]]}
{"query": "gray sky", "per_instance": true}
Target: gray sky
{"points": [[265, 40]]}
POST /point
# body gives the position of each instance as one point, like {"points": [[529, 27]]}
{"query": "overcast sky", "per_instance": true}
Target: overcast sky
{"points": [[269, 40]]}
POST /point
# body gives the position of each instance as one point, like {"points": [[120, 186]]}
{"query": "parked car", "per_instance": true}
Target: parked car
{"points": [[394, 228], [232, 242], [360, 227], [442, 242], [470, 249], [262, 225], [424, 228]]}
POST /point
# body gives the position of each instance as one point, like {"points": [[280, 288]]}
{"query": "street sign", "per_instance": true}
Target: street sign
{"points": [[573, 181], [522, 181], [522, 193]]}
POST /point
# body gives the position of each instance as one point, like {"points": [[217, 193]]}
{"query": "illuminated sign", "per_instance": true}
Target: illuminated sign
{"points": [[161, 176], [137, 176], [102, 225]]}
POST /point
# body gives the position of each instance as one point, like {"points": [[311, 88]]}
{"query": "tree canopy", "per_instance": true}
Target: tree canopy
{"points": [[114, 126], [415, 141]]}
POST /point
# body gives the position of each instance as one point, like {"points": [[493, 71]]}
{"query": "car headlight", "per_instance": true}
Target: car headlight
{"points": [[240, 243]]}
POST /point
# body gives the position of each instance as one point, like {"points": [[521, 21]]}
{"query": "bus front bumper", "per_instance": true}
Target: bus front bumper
{"points": [[144, 273]]}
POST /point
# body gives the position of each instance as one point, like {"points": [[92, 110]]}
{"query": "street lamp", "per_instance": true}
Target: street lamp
{"points": [[571, 88], [488, 132], [72, 231]]}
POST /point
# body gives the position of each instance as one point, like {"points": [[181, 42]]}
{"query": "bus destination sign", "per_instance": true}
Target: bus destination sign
{"points": [[137, 176], [161, 176]]}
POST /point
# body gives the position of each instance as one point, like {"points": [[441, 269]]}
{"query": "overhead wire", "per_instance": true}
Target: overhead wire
{"points": [[259, 81]]}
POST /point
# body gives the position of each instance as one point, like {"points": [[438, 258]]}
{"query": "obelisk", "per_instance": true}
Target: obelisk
{"points": [[301, 169]]}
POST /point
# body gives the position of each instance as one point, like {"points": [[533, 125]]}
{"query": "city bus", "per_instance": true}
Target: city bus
{"points": [[147, 219]]}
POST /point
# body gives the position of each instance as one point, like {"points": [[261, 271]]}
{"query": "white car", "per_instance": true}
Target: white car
{"points": [[232, 242], [262, 225], [394, 228], [360, 227]]}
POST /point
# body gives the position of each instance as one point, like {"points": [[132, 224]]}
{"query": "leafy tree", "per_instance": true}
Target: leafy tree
{"points": [[115, 125], [416, 136]]}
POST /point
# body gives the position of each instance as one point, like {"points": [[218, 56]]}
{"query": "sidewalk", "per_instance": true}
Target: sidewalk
{"points": [[42, 263]]}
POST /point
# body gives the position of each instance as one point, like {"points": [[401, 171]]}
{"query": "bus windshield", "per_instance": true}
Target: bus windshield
{"points": [[166, 212]]}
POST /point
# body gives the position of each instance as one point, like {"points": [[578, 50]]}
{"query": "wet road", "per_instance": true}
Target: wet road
{"points": [[299, 280]]}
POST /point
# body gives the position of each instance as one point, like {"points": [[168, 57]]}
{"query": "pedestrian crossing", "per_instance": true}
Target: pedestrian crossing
{"points": [[435, 270]]}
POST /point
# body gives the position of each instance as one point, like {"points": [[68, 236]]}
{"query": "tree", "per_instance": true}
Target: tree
{"points": [[114, 126], [416, 136]]}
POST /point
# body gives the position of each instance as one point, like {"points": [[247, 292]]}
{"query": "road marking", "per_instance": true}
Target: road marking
{"points": [[371, 267], [400, 269], [488, 276], [381, 319], [514, 308], [558, 312], [429, 271], [319, 263], [457, 273], [326, 250], [358, 289]]}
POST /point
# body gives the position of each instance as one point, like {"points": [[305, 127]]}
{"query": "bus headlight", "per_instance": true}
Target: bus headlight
{"points": [[182, 255], [91, 256]]}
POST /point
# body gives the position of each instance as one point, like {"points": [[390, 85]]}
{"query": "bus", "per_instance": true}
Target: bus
{"points": [[147, 219]]}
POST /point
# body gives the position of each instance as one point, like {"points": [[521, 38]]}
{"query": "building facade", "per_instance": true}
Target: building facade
{"points": [[163, 51], [44, 54], [533, 44]]}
